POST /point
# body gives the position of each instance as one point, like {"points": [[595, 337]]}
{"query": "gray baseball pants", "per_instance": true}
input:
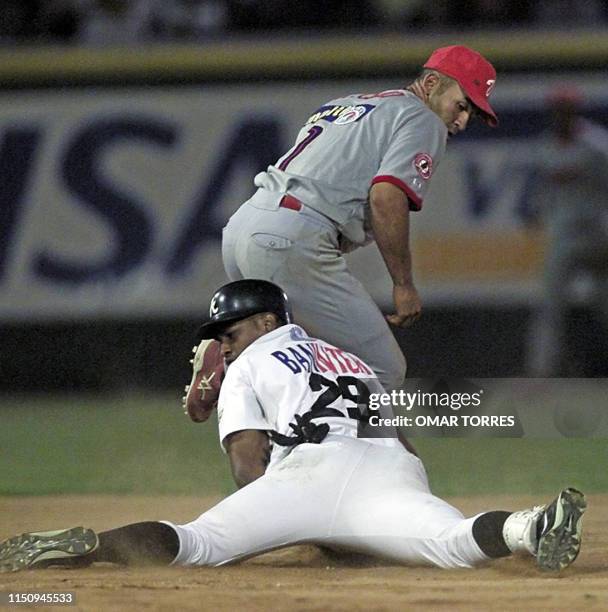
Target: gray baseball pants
{"points": [[298, 250]]}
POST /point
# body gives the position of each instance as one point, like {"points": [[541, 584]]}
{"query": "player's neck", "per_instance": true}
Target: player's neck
{"points": [[418, 90]]}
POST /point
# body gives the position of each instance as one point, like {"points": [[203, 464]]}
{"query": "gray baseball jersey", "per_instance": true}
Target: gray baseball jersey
{"points": [[570, 193], [572, 185], [351, 143]]}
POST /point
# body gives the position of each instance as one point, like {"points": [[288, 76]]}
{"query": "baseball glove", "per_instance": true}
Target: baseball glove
{"points": [[207, 376]]}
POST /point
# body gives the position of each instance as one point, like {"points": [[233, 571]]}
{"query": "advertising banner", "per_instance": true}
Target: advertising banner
{"points": [[113, 199]]}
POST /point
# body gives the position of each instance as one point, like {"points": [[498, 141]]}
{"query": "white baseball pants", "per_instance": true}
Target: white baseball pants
{"points": [[344, 493]]}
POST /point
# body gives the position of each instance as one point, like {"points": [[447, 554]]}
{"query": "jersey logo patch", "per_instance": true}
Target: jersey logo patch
{"points": [[423, 163], [341, 115]]}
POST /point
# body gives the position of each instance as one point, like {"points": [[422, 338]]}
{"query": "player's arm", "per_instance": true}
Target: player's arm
{"points": [[249, 453], [390, 219]]}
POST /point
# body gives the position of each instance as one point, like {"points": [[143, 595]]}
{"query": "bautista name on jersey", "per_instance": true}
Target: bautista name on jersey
{"points": [[320, 357], [289, 384]]}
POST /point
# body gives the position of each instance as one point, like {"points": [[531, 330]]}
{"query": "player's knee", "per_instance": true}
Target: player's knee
{"points": [[394, 375], [229, 259]]}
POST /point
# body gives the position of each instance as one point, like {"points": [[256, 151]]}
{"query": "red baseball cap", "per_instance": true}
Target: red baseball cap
{"points": [[473, 73]]}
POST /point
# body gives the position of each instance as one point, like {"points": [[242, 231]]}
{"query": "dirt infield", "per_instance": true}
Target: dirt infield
{"points": [[303, 577]]}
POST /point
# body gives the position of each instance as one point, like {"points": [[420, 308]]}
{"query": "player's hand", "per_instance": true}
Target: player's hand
{"points": [[407, 306]]}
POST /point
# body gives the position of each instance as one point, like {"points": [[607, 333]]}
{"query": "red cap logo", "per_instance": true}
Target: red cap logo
{"points": [[473, 73]]}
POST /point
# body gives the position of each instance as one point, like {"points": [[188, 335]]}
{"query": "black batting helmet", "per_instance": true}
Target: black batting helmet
{"points": [[241, 299]]}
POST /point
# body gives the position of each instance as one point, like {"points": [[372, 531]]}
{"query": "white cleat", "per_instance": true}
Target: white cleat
{"points": [[559, 530]]}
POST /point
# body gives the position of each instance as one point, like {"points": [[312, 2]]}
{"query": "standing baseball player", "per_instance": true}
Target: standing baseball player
{"points": [[290, 410], [359, 165], [569, 197]]}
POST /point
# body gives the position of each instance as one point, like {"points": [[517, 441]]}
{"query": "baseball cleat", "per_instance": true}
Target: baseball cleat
{"points": [[207, 373], [559, 530], [30, 550]]}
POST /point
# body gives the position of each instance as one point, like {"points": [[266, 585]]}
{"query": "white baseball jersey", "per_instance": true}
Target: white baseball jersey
{"points": [[351, 143], [286, 373]]}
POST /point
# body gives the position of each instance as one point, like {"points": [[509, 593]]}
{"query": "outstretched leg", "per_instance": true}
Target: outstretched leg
{"points": [[148, 543]]}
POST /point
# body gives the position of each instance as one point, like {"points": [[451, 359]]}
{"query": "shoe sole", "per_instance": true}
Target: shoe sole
{"points": [[193, 402], [559, 547], [198, 359], [29, 549]]}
